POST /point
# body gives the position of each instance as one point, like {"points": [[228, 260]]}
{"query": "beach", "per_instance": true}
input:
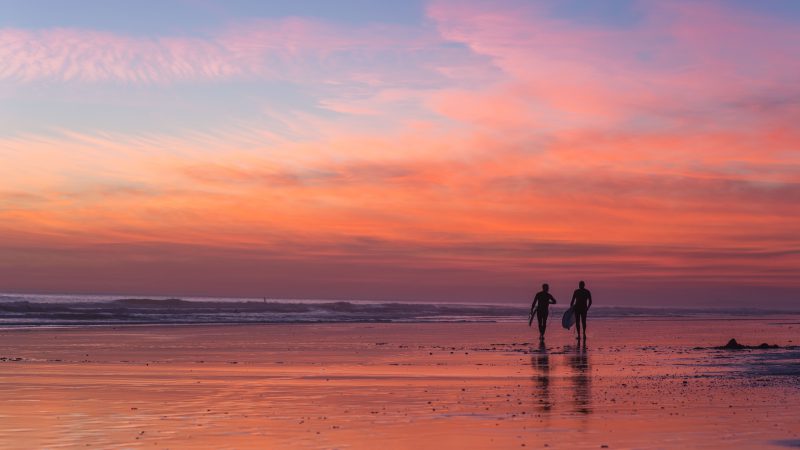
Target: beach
{"points": [[637, 383]]}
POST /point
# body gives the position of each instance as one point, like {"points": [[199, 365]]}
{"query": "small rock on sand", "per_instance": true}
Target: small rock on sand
{"points": [[733, 345]]}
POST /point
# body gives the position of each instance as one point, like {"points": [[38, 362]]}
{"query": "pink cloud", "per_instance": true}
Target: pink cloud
{"points": [[682, 56]]}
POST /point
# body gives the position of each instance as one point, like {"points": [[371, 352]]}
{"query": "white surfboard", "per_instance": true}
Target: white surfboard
{"points": [[568, 320]]}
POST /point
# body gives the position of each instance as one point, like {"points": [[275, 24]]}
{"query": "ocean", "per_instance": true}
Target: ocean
{"points": [[64, 310]]}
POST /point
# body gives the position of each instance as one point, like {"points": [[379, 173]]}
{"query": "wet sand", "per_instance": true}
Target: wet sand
{"points": [[636, 384]]}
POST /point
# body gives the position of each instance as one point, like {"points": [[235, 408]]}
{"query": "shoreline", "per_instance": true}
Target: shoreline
{"points": [[522, 320]]}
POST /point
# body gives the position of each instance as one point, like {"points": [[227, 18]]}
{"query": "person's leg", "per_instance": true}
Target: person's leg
{"points": [[542, 317], [544, 322], [578, 321], [583, 320]]}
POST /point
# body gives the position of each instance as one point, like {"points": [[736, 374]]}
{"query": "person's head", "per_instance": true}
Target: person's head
{"points": [[545, 287], [581, 284]]}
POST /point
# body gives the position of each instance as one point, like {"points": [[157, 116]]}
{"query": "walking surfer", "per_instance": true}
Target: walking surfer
{"points": [[581, 302], [541, 307]]}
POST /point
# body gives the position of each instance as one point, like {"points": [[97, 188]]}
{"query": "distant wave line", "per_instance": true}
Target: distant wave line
{"points": [[27, 310]]}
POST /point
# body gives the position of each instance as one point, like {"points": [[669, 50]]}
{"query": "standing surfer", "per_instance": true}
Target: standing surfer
{"points": [[541, 308], [581, 302]]}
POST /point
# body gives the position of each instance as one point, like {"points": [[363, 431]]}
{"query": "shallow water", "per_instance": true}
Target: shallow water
{"points": [[636, 384]]}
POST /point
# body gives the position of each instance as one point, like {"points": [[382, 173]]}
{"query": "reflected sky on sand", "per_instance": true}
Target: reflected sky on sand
{"points": [[417, 385]]}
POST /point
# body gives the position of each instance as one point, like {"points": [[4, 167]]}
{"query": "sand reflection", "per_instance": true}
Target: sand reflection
{"points": [[540, 361], [581, 378]]}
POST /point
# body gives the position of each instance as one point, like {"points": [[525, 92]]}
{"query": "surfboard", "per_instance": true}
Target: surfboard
{"points": [[568, 320]]}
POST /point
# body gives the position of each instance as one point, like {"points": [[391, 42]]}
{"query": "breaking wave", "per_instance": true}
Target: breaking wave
{"points": [[16, 311], [25, 309]]}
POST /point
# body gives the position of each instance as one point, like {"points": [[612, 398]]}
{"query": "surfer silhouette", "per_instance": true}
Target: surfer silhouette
{"points": [[541, 308], [581, 302]]}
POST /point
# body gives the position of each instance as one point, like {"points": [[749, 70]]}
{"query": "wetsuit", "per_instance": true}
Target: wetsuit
{"points": [[542, 302], [581, 302]]}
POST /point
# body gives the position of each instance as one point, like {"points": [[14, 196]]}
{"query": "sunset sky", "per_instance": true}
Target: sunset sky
{"points": [[402, 150]]}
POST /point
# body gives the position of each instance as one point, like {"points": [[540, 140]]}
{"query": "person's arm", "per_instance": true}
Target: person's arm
{"points": [[574, 297], [590, 300], [552, 300], [533, 305]]}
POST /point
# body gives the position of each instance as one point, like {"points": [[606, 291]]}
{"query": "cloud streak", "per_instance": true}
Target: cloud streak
{"points": [[91, 56], [292, 49]]}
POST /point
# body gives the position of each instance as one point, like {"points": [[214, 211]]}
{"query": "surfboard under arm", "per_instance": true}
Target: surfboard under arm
{"points": [[568, 320]]}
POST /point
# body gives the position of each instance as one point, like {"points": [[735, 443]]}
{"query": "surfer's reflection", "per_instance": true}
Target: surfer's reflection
{"points": [[581, 377], [540, 361]]}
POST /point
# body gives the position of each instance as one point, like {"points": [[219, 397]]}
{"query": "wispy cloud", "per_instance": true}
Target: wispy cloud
{"points": [[287, 49]]}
